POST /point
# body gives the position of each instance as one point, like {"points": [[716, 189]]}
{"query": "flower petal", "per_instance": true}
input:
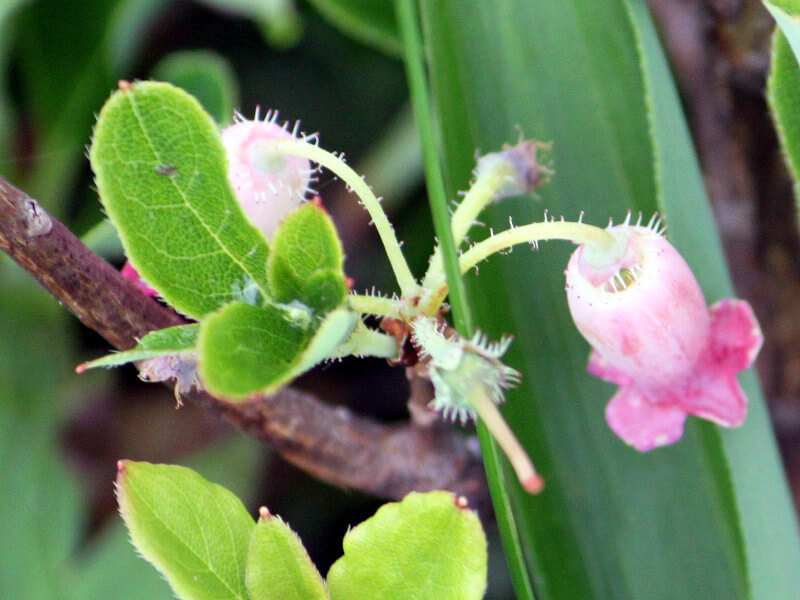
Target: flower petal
{"points": [[600, 367], [642, 423], [736, 336], [716, 396]]}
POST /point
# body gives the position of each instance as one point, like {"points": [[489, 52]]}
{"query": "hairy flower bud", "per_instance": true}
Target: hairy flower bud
{"points": [[267, 184], [642, 310]]}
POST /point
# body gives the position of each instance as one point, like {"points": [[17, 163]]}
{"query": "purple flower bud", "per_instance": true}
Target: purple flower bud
{"points": [[642, 310]]}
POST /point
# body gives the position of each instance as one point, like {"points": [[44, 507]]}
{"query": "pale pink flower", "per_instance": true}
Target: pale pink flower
{"points": [[643, 313]]}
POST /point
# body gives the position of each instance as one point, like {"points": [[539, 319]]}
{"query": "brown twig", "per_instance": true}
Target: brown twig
{"points": [[331, 443]]}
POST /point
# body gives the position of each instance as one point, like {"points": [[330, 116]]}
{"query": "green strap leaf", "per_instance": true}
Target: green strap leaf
{"points": [[427, 547], [278, 566], [196, 533], [164, 342], [161, 172], [611, 523], [369, 21], [782, 86]]}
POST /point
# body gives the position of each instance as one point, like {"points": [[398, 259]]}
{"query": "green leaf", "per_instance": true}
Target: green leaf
{"points": [[195, 532], [278, 566], [160, 169], [783, 82], [164, 342], [34, 480], [108, 561], [279, 20], [127, 31], [324, 290], [427, 547], [204, 74], [369, 21], [246, 349], [306, 260], [65, 78], [611, 523]]}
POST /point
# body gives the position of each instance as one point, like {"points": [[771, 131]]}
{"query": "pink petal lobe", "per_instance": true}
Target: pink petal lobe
{"points": [[736, 336], [642, 423], [600, 367], [716, 395]]}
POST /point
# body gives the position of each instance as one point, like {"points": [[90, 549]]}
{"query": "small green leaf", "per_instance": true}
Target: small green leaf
{"points": [[207, 76], [194, 532], [246, 349], [305, 244], [427, 547], [324, 290], [369, 21], [161, 172], [278, 566], [164, 342]]}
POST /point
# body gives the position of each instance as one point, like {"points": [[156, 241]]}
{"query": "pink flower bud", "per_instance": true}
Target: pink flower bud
{"points": [[132, 275], [642, 311], [267, 185]]}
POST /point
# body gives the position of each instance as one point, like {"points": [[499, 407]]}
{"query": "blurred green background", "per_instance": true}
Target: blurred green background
{"points": [[61, 434]]}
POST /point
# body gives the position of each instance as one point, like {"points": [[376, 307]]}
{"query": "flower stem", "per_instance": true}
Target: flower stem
{"points": [[376, 305], [479, 196], [435, 286], [405, 279], [580, 233], [530, 480], [414, 53]]}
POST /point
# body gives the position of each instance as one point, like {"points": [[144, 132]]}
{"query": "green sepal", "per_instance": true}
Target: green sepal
{"points": [[278, 566], [304, 245], [427, 547], [196, 533], [333, 331], [164, 342], [161, 172]]}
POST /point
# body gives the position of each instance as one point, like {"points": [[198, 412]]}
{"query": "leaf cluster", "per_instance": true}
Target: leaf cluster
{"points": [[202, 539]]}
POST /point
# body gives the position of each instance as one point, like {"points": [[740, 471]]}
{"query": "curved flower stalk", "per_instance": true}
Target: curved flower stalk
{"points": [[651, 333]]}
